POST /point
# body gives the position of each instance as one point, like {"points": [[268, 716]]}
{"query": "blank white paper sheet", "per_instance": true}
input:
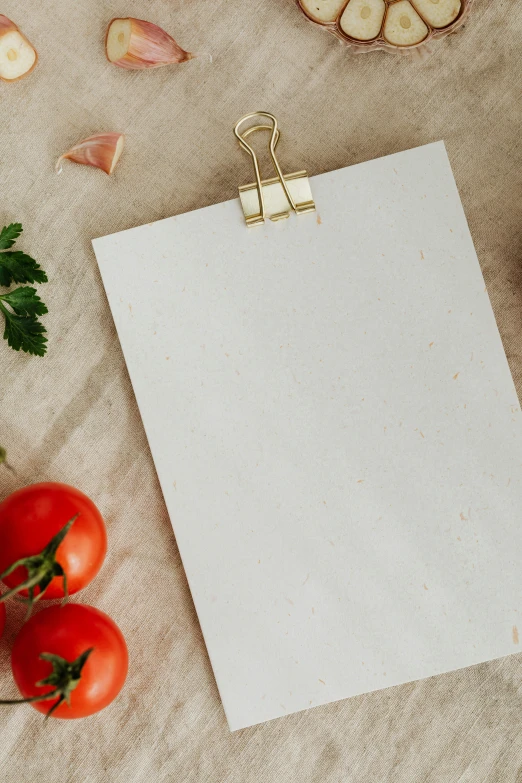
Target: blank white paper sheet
{"points": [[336, 432]]}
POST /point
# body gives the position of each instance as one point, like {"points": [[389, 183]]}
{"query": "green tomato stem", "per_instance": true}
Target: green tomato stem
{"points": [[41, 570]]}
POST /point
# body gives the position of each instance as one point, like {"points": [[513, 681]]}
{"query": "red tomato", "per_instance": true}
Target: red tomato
{"points": [[31, 517], [68, 631], [2, 619]]}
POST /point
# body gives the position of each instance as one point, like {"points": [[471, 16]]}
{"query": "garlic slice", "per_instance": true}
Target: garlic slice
{"points": [[403, 26], [135, 44], [323, 10], [17, 56], [438, 13], [362, 19], [102, 152]]}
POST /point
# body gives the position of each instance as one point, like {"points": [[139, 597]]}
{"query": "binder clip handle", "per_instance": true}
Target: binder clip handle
{"points": [[295, 187]]}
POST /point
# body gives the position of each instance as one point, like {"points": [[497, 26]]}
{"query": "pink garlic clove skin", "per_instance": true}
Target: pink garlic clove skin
{"points": [[102, 151], [135, 44], [18, 58], [6, 25]]}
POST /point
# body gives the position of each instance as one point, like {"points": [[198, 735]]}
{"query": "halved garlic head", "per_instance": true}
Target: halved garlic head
{"points": [[323, 10], [362, 19], [17, 56], [404, 26], [136, 44], [438, 13]]}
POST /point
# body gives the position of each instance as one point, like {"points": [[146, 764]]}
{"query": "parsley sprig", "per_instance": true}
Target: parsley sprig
{"points": [[21, 306]]}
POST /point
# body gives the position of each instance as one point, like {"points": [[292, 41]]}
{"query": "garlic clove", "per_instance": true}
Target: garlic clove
{"points": [[135, 44], [438, 13], [17, 57], [362, 19], [323, 10], [403, 25], [102, 152]]}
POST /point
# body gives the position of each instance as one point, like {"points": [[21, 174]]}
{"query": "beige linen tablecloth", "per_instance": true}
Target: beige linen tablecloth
{"points": [[72, 416]]}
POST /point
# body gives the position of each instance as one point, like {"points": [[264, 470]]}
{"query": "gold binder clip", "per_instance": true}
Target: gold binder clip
{"points": [[273, 198]]}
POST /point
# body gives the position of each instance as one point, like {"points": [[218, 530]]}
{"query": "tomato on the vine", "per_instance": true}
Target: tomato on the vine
{"points": [[53, 539], [69, 661]]}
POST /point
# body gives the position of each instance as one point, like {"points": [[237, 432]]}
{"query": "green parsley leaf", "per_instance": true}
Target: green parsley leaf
{"points": [[17, 267], [9, 235], [21, 307], [25, 301], [24, 332]]}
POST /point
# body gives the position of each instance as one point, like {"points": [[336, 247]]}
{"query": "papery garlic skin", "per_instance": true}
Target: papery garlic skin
{"points": [[17, 56], [102, 151], [135, 44]]}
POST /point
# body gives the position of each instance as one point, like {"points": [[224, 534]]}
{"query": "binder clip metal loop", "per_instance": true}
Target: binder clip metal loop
{"points": [[273, 198]]}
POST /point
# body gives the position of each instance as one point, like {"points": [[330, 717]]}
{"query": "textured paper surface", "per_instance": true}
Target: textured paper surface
{"points": [[336, 433], [73, 416]]}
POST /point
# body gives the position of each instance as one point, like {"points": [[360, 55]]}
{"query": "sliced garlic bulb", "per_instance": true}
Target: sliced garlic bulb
{"points": [[17, 57], [362, 19], [403, 25], [438, 13], [323, 10]]}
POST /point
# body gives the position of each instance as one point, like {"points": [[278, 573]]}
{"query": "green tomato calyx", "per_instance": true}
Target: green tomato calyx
{"points": [[41, 570]]}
